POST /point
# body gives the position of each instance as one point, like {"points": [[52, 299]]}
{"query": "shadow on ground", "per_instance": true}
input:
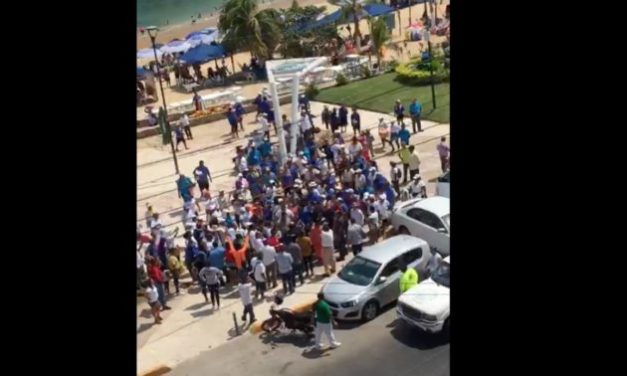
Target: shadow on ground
{"points": [[313, 353], [288, 337], [416, 338], [145, 326]]}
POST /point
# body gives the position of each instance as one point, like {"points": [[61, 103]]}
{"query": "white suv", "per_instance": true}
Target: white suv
{"points": [[428, 304]]}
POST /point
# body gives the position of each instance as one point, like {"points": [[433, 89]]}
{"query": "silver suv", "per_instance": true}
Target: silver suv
{"points": [[371, 279]]}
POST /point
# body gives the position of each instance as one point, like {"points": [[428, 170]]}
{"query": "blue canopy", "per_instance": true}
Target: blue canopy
{"points": [[203, 53], [372, 10], [141, 72]]}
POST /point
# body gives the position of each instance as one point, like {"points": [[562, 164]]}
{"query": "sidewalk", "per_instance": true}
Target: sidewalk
{"points": [[213, 144], [192, 326]]}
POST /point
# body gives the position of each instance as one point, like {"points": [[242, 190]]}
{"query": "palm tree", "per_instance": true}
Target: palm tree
{"points": [[379, 35], [352, 8], [244, 26]]}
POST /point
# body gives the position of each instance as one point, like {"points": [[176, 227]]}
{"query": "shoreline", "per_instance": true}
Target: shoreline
{"points": [[180, 30]]}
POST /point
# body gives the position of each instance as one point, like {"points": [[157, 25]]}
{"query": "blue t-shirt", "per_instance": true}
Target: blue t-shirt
{"points": [[216, 257], [264, 106], [265, 148], [232, 117], [204, 173], [415, 108], [404, 135], [239, 109]]}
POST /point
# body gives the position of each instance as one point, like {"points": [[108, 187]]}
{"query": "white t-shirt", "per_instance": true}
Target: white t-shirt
{"points": [[394, 173], [305, 124], [260, 270], [264, 124], [268, 254], [417, 188], [354, 149], [184, 120], [244, 293], [152, 294], [395, 128], [327, 239]]}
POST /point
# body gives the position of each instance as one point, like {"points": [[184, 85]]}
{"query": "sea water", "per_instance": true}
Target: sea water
{"points": [[169, 12]]}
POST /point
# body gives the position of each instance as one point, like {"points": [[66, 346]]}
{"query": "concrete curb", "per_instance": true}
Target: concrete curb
{"points": [[161, 370], [302, 307]]}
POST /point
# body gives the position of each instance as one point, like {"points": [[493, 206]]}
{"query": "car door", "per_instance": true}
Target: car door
{"points": [[390, 289], [418, 227], [432, 230], [418, 259]]}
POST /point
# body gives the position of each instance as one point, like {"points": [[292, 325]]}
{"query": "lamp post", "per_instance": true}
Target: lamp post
{"points": [[427, 37], [152, 32]]}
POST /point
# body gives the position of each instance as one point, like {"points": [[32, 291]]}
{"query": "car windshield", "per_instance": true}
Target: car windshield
{"points": [[442, 274], [359, 271], [447, 220]]}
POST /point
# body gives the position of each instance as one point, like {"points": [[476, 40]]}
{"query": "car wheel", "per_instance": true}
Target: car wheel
{"points": [[370, 311], [403, 230]]}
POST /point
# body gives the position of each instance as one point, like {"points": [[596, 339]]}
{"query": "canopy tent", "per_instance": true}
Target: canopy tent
{"points": [[148, 53], [372, 10], [176, 46], [203, 53], [196, 38]]}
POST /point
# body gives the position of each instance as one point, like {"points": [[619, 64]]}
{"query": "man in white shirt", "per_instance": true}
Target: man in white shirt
{"points": [[357, 215], [245, 295], [418, 188], [184, 122], [268, 256], [259, 272], [305, 125], [328, 258], [265, 130]]}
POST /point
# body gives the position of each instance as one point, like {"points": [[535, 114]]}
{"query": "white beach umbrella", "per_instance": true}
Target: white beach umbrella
{"points": [[148, 53], [176, 46]]}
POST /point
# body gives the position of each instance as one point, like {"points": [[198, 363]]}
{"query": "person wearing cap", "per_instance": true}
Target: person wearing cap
{"points": [[399, 111], [239, 113], [418, 188], [404, 155]]}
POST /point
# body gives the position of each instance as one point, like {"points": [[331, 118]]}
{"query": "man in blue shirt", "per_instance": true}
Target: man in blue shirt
{"points": [[239, 112], [232, 118], [415, 109], [191, 251], [404, 135], [216, 259], [203, 177]]}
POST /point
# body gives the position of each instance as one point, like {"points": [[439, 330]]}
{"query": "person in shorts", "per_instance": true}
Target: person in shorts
{"points": [[152, 295], [180, 137]]}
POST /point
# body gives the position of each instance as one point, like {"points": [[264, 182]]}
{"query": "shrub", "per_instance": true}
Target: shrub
{"points": [[341, 79], [393, 64], [416, 73], [311, 91], [365, 71]]}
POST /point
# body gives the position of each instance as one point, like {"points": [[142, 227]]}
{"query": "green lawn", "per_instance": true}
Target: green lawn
{"points": [[379, 94]]}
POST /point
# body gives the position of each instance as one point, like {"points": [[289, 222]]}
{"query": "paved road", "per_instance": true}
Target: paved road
{"points": [[382, 346]]}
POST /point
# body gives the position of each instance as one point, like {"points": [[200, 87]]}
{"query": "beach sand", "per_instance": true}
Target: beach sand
{"points": [[249, 91], [168, 33]]}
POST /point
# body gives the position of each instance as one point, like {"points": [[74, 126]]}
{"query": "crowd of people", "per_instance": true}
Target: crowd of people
{"points": [[329, 197]]}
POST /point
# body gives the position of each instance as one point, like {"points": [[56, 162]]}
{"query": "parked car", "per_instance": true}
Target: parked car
{"points": [[443, 186], [428, 304], [371, 279], [427, 219]]}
